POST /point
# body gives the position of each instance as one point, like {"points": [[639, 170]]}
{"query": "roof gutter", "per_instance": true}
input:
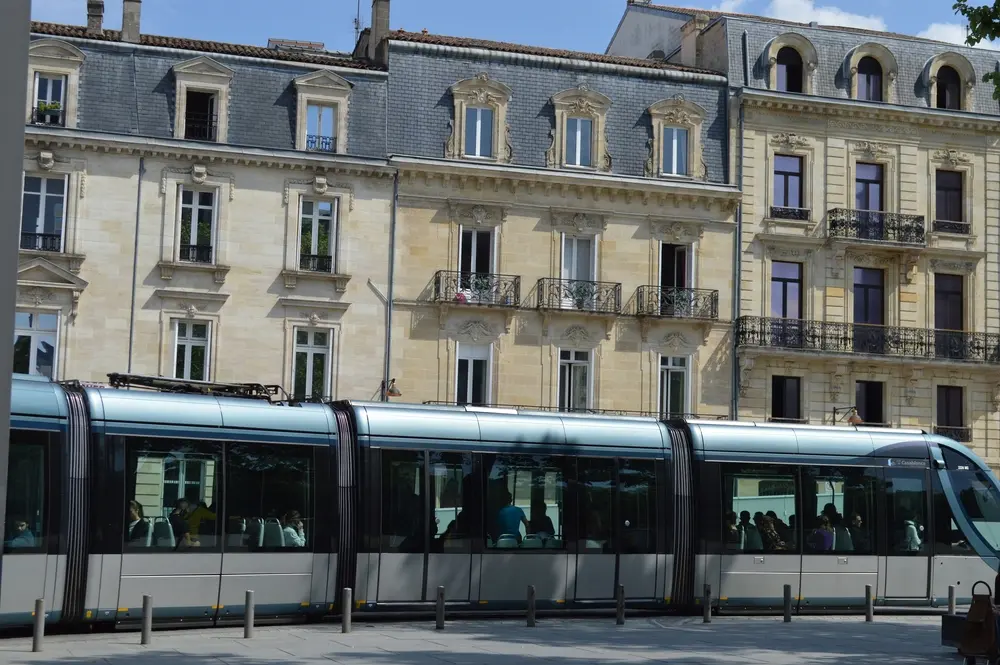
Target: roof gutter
{"points": [[563, 63]]}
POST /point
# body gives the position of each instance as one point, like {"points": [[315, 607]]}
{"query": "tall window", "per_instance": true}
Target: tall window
{"points": [[50, 102], [786, 290], [472, 382], [787, 181], [948, 191], [318, 235], [35, 336], [191, 350], [949, 89], [27, 473], [868, 187], [524, 501], [43, 213], [869, 397], [949, 317], [574, 380], [578, 141], [786, 396], [200, 116], [321, 127], [950, 407], [311, 369], [675, 151], [869, 80], [478, 132], [197, 225], [789, 64], [673, 386]]}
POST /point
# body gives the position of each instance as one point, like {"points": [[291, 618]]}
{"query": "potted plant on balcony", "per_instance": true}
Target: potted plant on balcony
{"points": [[48, 113], [581, 294]]}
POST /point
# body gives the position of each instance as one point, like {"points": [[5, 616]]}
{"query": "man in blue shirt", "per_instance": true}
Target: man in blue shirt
{"points": [[510, 517]]}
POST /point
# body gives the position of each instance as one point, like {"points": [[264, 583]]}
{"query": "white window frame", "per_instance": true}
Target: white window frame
{"points": [[481, 92], [472, 352], [310, 349], [314, 220], [671, 130], [325, 107], [54, 57], [494, 237], [34, 332], [478, 130], [575, 140], [35, 101], [663, 382], [195, 207], [202, 74], [571, 363], [189, 342], [43, 197], [322, 88]]}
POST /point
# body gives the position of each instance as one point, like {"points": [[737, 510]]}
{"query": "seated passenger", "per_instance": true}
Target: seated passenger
{"points": [[179, 523], [540, 524], [859, 536], [749, 535], [772, 540], [821, 538], [295, 535], [22, 536], [510, 518], [138, 528], [201, 521]]}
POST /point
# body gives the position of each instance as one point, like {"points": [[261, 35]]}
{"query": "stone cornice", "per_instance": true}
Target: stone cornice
{"points": [[173, 149], [853, 110]]}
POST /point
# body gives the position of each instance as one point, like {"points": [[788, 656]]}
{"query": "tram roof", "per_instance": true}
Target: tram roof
{"points": [[38, 397]]}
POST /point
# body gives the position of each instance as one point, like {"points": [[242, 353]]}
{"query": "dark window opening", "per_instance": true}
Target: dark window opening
{"points": [[786, 398], [869, 399], [787, 181], [949, 86], [948, 191], [789, 64], [200, 116], [869, 310], [950, 406], [869, 80]]}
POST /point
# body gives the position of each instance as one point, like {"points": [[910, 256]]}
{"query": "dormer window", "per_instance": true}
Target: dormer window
{"points": [[478, 132], [675, 147], [869, 80], [322, 103], [321, 127], [50, 99], [479, 128], [202, 94], [949, 89], [53, 83], [579, 135], [200, 116], [789, 70]]}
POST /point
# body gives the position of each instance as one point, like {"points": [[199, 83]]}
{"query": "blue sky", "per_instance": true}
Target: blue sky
{"points": [[584, 25]]}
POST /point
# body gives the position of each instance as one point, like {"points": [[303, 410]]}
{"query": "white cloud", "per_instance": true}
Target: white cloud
{"points": [[727, 6], [806, 11], [953, 33]]}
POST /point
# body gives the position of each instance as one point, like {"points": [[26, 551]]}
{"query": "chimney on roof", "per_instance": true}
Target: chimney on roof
{"points": [[378, 35], [691, 40], [130, 20], [95, 17]]}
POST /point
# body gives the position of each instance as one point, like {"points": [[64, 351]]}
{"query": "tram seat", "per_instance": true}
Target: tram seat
{"points": [[554, 543], [255, 532], [506, 542], [273, 535], [532, 542], [149, 533], [237, 531], [163, 533]]}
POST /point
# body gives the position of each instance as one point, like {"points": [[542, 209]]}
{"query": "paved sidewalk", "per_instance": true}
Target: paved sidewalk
{"points": [[679, 641]]}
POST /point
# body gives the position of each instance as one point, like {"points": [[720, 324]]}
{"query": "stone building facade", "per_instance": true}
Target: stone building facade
{"points": [[869, 166], [202, 211], [567, 229]]}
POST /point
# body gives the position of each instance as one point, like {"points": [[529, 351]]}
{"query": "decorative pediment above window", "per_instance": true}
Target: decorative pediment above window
{"points": [[202, 75], [870, 149], [193, 302], [951, 157], [55, 49], [578, 223], [323, 80], [199, 174], [477, 215], [467, 136], [474, 331], [203, 66], [789, 141], [584, 103], [953, 266], [675, 232], [39, 280], [782, 247]]}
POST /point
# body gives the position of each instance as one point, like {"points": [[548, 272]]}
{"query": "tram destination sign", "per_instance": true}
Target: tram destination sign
{"points": [[907, 462]]}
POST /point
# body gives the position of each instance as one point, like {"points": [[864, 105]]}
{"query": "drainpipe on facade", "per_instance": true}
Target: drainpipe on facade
{"points": [[135, 263], [388, 291], [734, 406]]}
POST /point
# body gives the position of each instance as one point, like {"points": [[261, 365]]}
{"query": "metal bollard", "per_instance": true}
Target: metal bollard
{"points": [[531, 606], [620, 605], [440, 609], [248, 616], [346, 610], [36, 638], [869, 604], [147, 619], [706, 602], [788, 603], [951, 600]]}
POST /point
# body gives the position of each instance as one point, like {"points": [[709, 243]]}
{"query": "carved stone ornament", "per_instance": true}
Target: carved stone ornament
{"points": [[649, 166], [871, 149], [477, 214], [746, 367], [789, 140], [837, 383], [953, 157], [578, 222], [674, 342], [995, 397], [314, 318], [577, 335], [34, 295], [199, 174], [677, 233], [944, 265], [320, 186], [190, 308], [912, 379], [870, 260], [46, 160], [476, 330]]}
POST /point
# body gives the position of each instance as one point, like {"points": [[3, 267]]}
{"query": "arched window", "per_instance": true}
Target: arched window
{"points": [[949, 89], [869, 80], [789, 70]]}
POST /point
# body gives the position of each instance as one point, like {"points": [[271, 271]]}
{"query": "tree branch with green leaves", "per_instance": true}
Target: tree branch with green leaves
{"points": [[984, 23]]}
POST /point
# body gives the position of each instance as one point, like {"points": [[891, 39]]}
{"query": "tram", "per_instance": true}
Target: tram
{"points": [[196, 492]]}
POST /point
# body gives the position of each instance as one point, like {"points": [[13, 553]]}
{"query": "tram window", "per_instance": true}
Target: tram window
{"points": [[269, 497], [596, 478], [26, 489], [404, 522], [637, 491], [524, 501], [838, 506], [948, 538], [759, 505], [906, 511], [454, 511], [174, 488], [977, 494]]}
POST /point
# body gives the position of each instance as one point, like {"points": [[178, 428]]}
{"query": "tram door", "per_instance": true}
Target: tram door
{"points": [[617, 529], [908, 533]]}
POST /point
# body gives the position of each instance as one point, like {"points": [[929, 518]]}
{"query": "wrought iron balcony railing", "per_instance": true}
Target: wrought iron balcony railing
{"points": [[315, 263], [951, 226], [784, 212], [474, 288], [200, 126], [48, 116], [41, 242], [601, 412], [859, 338], [788, 421], [196, 253], [585, 296], [321, 143], [960, 434], [675, 302], [876, 226]]}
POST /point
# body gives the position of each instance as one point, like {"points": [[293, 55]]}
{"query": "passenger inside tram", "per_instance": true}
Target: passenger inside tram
{"points": [[21, 536], [510, 518], [137, 533], [293, 529]]}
